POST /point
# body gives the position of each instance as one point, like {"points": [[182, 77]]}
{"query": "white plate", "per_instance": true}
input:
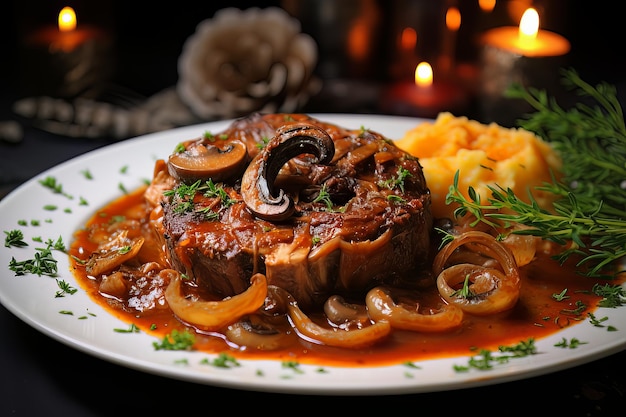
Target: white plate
{"points": [[91, 329]]}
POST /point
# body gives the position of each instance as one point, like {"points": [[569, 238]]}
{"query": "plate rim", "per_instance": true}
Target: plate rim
{"points": [[522, 369]]}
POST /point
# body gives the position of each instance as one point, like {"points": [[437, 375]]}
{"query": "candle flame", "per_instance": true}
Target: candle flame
{"points": [[423, 74], [408, 39], [358, 41], [453, 19], [529, 24], [67, 19], [486, 5]]}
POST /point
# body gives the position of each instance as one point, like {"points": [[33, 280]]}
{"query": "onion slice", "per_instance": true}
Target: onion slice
{"points": [[381, 306], [253, 332], [111, 255], [354, 338], [492, 290], [214, 315]]}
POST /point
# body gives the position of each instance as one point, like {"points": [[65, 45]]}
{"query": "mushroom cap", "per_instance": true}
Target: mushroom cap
{"points": [[201, 161], [257, 184]]}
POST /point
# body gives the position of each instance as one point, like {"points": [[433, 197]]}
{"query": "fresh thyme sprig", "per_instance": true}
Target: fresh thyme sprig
{"points": [[589, 215], [14, 238], [599, 240], [43, 263]]}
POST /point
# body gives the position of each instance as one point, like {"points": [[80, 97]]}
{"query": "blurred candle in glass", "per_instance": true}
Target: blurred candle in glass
{"points": [[424, 96], [523, 54], [68, 37], [528, 28], [67, 58], [67, 19], [416, 30], [527, 39], [424, 75]]}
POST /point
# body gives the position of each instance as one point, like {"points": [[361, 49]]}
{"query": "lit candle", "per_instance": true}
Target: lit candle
{"points": [[527, 39], [405, 59], [65, 59], [424, 76], [524, 54], [424, 96], [67, 35]]}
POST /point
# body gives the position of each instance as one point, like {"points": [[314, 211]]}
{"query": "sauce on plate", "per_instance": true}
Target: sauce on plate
{"points": [[537, 314]]}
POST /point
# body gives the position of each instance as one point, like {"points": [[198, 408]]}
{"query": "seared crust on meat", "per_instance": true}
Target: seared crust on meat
{"points": [[359, 221]]}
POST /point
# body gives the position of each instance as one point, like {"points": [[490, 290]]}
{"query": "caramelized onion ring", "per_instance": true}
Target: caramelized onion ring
{"points": [[214, 315], [255, 333], [109, 258], [494, 290], [381, 306], [523, 247], [355, 339], [344, 314]]}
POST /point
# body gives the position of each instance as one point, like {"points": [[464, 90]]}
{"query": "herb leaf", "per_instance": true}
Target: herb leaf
{"points": [[589, 217], [176, 341], [14, 238]]}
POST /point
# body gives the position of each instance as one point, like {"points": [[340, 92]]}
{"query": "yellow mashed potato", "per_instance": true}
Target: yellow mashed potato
{"points": [[484, 155]]}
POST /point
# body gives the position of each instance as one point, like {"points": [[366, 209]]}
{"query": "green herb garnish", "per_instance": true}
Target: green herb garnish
{"points": [[397, 181], [183, 195], [486, 359], [223, 360], [64, 288], [132, 328], [43, 263], [589, 216], [176, 341], [14, 238], [324, 197], [612, 295]]}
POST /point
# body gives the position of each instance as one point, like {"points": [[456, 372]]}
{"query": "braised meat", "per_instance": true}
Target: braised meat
{"points": [[318, 208]]}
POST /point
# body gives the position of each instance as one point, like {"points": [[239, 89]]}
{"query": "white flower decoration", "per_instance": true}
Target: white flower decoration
{"points": [[242, 61]]}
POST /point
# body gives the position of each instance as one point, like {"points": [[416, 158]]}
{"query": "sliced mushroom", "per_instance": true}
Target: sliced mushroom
{"points": [[257, 184], [201, 162]]}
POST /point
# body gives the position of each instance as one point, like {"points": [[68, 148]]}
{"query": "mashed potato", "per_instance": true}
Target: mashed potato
{"points": [[484, 155]]}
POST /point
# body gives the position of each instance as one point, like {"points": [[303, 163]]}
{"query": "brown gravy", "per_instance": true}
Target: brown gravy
{"points": [[537, 314]]}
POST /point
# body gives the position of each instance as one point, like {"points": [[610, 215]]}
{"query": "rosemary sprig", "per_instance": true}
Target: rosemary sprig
{"points": [[589, 216], [14, 238], [600, 241], [591, 141]]}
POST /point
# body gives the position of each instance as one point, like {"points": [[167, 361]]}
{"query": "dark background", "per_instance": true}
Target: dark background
{"points": [[149, 35]]}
